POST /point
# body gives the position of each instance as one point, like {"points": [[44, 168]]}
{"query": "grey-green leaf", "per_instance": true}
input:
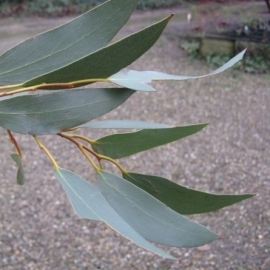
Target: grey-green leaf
{"points": [[65, 44], [125, 124], [20, 175], [126, 144], [151, 218], [107, 61], [181, 199], [57, 111], [88, 202], [138, 80]]}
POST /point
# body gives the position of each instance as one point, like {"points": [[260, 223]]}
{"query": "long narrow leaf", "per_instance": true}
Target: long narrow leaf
{"points": [[54, 112], [88, 202], [181, 199], [20, 174], [126, 144], [107, 61], [123, 124], [138, 80], [152, 219], [65, 44]]}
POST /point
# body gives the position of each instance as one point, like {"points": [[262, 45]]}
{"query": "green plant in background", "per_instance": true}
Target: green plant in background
{"points": [[146, 4], [251, 64], [192, 47], [143, 208], [214, 59], [257, 59], [48, 6]]}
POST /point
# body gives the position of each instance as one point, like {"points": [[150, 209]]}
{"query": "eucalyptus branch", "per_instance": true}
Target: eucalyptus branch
{"points": [[45, 86], [12, 86], [127, 202]]}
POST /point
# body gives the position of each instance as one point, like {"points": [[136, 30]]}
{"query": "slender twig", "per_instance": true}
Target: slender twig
{"points": [[77, 136], [70, 129], [44, 148], [14, 142], [48, 85], [72, 137], [93, 153], [82, 149], [88, 158], [6, 87], [114, 162]]}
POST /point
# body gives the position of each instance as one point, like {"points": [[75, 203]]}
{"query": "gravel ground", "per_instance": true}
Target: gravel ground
{"points": [[38, 229]]}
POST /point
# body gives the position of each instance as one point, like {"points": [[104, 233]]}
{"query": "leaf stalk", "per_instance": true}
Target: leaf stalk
{"points": [[45, 149], [14, 142]]}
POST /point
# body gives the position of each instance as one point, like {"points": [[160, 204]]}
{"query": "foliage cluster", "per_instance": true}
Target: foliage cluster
{"points": [[144, 208]]}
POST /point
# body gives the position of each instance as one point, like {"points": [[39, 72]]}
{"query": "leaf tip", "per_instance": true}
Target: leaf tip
{"points": [[168, 18], [220, 237], [204, 125], [241, 54]]}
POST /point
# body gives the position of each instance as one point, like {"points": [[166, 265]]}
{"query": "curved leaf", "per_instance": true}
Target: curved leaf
{"points": [[152, 219], [58, 111], [138, 80], [107, 61], [181, 199], [20, 175], [126, 144], [123, 124], [88, 202], [65, 44]]}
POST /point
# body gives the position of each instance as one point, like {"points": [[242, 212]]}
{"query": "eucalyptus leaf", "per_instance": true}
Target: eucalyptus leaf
{"points": [[138, 80], [65, 44], [107, 61], [57, 111], [126, 144], [125, 124], [88, 202], [20, 174], [151, 218], [181, 199]]}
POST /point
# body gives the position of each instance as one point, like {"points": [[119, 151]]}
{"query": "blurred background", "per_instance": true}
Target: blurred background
{"points": [[212, 30]]}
